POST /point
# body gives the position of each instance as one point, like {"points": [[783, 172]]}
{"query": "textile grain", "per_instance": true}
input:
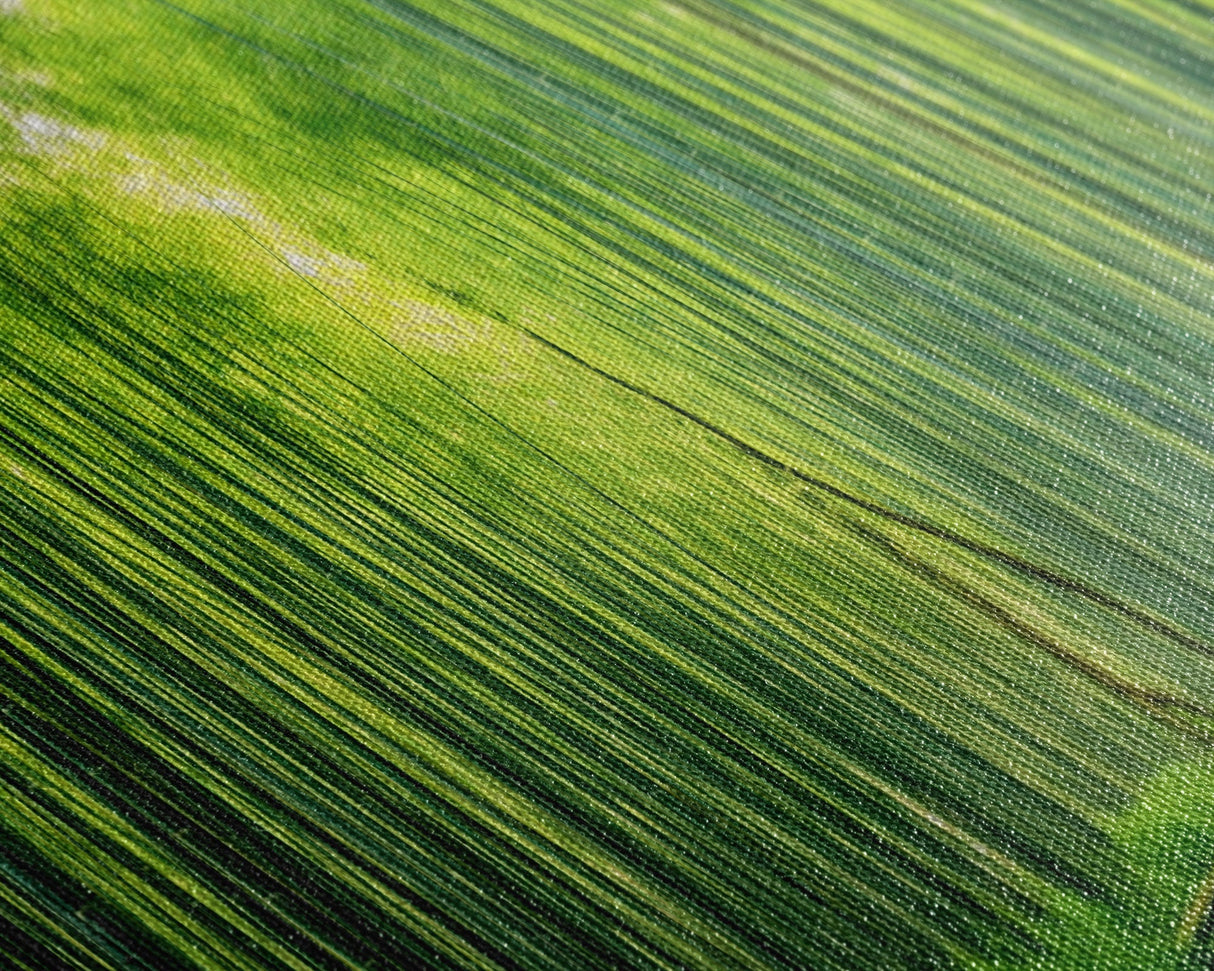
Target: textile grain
{"points": [[550, 485]]}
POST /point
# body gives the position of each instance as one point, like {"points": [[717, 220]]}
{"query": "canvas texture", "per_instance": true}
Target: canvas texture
{"points": [[704, 484]]}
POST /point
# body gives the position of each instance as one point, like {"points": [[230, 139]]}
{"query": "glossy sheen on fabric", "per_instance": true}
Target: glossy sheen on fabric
{"points": [[560, 485]]}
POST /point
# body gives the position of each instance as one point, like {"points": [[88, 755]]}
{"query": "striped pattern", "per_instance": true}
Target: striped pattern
{"points": [[699, 484]]}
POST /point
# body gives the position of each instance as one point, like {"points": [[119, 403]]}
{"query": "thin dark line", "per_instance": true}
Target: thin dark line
{"points": [[1153, 701], [1057, 580]]}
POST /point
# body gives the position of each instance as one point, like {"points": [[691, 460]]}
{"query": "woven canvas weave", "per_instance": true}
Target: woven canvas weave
{"points": [[708, 484]]}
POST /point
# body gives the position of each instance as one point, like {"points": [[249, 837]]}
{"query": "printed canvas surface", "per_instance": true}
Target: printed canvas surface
{"points": [[674, 484]]}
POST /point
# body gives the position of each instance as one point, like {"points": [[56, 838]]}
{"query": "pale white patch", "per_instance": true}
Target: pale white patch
{"points": [[46, 136], [149, 180], [10, 8], [439, 329], [229, 203], [501, 354], [324, 265], [199, 192], [39, 79], [303, 265]]}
